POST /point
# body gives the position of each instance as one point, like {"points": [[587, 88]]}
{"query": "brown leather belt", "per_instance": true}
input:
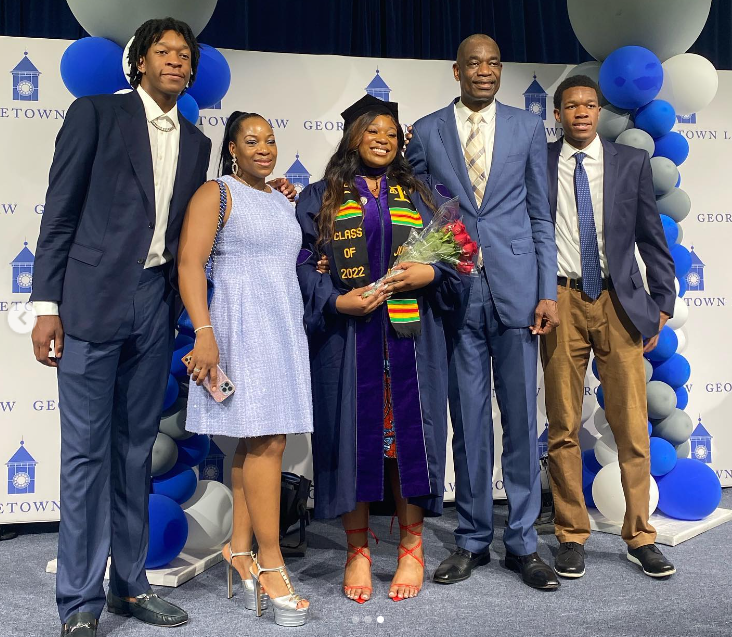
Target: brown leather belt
{"points": [[576, 284]]}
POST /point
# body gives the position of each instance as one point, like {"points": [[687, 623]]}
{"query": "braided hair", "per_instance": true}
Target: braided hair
{"points": [[149, 34], [233, 126]]}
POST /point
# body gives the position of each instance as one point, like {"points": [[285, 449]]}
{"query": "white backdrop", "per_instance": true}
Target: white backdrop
{"points": [[302, 97]]}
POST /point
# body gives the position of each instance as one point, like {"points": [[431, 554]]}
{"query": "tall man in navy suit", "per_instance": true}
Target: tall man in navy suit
{"points": [[603, 205], [124, 169], [494, 157]]}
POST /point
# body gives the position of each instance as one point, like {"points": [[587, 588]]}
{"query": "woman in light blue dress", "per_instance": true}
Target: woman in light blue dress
{"points": [[254, 331]]}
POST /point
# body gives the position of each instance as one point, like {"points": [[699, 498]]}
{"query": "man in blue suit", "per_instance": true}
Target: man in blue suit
{"points": [[124, 169], [494, 158], [603, 204]]}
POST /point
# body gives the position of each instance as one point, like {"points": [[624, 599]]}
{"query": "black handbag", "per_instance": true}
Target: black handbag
{"points": [[294, 516]]}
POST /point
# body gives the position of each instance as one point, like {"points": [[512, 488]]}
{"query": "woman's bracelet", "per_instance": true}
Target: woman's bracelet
{"points": [[203, 327]]}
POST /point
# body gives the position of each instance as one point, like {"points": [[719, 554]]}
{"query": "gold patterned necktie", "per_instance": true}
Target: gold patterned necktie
{"points": [[474, 160]]}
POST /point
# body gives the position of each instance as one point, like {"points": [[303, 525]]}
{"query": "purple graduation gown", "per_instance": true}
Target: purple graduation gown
{"points": [[348, 459]]}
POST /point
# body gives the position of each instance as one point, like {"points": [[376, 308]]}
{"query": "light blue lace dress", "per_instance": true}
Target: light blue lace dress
{"points": [[257, 314]]}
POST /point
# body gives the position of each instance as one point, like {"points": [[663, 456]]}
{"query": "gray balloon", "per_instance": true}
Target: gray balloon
{"points": [[661, 400], [175, 425], [675, 428], [666, 27], [665, 175], [684, 449], [680, 237], [637, 138], [591, 70], [164, 455], [612, 122], [649, 369], [676, 204], [118, 21]]}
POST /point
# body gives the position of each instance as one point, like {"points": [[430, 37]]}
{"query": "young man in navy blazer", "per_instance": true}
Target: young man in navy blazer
{"points": [[493, 157], [124, 169], [603, 206]]}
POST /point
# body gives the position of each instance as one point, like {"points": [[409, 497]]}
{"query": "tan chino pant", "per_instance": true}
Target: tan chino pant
{"points": [[603, 327]]}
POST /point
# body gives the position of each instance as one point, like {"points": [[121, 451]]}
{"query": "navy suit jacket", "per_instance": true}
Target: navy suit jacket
{"points": [[630, 218], [99, 214], [513, 225]]}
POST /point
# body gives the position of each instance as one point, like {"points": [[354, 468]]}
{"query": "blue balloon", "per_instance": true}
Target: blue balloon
{"points": [[213, 77], [666, 346], [188, 107], [183, 339], [168, 531], [682, 286], [682, 259], [192, 451], [690, 491], [600, 397], [682, 397], [93, 66], [670, 229], [594, 368], [630, 77], [675, 371], [587, 492], [663, 457], [673, 146], [178, 484], [650, 427], [171, 392], [589, 462], [656, 118], [177, 367]]}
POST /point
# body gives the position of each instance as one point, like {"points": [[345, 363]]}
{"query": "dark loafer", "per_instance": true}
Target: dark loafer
{"points": [[459, 565], [148, 608], [570, 560], [80, 625], [651, 560], [534, 571]]}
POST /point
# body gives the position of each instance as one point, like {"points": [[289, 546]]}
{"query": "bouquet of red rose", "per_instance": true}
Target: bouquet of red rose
{"points": [[442, 239]]}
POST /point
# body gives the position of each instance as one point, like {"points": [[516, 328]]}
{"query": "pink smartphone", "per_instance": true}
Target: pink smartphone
{"points": [[224, 386]]}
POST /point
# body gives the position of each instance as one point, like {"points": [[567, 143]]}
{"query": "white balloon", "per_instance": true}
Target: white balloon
{"points": [[637, 138], [118, 21], [680, 236], [126, 68], [666, 27], [600, 421], [210, 514], [122, 91], [690, 83], [588, 407], [681, 335], [606, 450], [681, 314], [612, 122], [607, 492]]}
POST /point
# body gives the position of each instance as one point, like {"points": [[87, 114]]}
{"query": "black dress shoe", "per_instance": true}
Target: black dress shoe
{"points": [[534, 571], [651, 560], [80, 625], [148, 608], [459, 565], [570, 560]]}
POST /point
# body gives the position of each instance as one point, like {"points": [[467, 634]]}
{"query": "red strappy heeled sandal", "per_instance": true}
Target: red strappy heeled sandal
{"points": [[359, 551], [404, 551]]}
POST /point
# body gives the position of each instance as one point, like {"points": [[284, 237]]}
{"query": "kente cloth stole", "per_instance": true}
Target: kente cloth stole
{"points": [[351, 252]]}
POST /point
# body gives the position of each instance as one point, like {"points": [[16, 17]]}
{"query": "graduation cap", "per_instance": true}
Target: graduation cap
{"points": [[369, 104]]}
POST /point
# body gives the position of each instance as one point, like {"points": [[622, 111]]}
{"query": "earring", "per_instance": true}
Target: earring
{"points": [[234, 165]]}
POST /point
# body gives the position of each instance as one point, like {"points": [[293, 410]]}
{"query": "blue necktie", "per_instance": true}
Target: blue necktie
{"points": [[589, 252]]}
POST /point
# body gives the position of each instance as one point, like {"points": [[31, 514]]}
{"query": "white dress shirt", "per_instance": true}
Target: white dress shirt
{"points": [[164, 151], [569, 257], [487, 130]]}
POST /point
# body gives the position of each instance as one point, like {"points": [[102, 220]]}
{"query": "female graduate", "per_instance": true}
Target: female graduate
{"points": [[378, 364]]}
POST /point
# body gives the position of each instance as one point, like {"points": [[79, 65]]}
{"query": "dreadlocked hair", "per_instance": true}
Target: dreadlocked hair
{"points": [[345, 164], [233, 126], [149, 34]]}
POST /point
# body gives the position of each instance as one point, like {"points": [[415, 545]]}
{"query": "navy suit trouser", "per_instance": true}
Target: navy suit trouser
{"points": [[480, 345], [111, 397]]}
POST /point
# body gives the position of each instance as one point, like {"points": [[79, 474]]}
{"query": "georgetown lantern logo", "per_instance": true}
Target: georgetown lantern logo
{"points": [[544, 441], [298, 175], [535, 99], [695, 276], [686, 119], [212, 467], [701, 443], [23, 271], [25, 81], [21, 472], [378, 88]]}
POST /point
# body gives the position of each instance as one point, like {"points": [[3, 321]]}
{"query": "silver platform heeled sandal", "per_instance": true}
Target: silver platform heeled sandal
{"points": [[247, 585], [286, 612]]}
